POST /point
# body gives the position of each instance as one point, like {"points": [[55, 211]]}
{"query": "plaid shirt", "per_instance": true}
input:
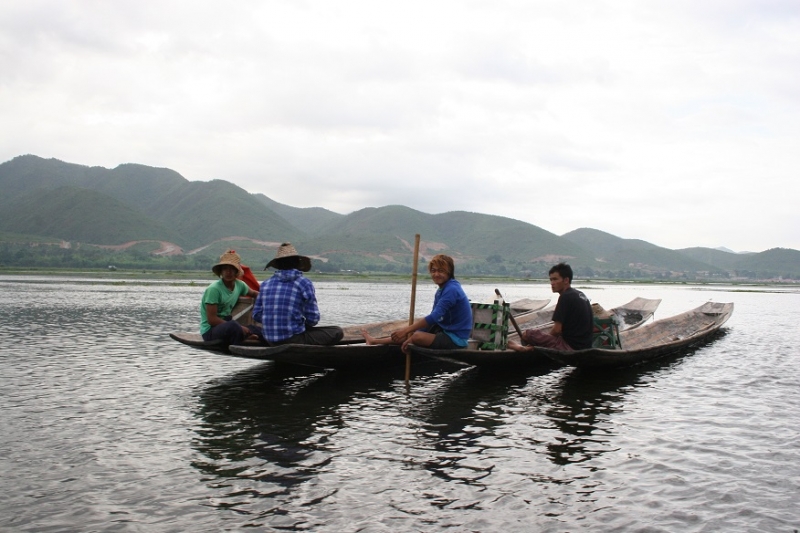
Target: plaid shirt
{"points": [[286, 304]]}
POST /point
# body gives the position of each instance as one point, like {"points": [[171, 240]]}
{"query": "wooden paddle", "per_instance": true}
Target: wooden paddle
{"points": [[413, 301], [513, 320]]}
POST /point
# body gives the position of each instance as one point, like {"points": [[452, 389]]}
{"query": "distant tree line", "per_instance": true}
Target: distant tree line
{"points": [[43, 256], [19, 255]]}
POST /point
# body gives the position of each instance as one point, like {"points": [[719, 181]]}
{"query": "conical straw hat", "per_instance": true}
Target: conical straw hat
{"points": [[229, 258], [286, 250]]}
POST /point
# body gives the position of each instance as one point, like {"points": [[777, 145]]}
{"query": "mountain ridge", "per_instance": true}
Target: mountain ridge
{"points": [[94, 206]]}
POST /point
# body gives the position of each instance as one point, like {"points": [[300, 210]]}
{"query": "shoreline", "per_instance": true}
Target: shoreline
{"points": [[195, 277]]}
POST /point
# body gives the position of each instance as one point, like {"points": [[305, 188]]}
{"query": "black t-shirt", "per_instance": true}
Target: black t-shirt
{"points": [[574, 312]]}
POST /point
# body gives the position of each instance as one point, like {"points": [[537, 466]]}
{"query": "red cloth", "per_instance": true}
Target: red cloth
{"points": [[249, 278]]}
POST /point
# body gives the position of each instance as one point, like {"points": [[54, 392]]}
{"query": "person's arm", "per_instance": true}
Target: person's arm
{"points": [[310, 308], [258, 309], [211, 315], [245, 290], [556, 330], [448, 298], [214, 320]]}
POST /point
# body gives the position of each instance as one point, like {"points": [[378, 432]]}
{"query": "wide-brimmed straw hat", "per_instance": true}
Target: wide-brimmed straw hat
{"points": [[229, 258], [285, 251]]}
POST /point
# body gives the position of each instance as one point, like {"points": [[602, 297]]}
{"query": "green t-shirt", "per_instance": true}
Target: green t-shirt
{"points": [[225, 300]]}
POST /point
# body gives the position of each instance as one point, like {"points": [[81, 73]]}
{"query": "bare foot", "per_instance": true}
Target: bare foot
{"points": [[518, 347], [367, 337]]}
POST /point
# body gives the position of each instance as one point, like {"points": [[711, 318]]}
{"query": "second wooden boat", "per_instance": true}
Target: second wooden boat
{"points": [[660, 338]]}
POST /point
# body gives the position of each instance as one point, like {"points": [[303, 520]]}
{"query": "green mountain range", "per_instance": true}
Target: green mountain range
{"points": [[54, 214]]}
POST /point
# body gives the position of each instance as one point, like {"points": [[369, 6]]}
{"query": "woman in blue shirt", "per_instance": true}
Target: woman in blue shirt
{"points": [[449, 323]]}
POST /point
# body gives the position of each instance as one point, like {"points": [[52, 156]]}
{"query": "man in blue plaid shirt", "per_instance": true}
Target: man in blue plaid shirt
{"points": [[286, 305]]}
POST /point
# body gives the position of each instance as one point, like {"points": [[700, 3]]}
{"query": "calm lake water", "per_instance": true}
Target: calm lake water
{"points": [[109, 425]]}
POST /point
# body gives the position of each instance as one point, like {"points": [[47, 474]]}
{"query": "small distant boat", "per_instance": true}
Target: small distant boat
{"points": [[657, 339], [629, 316], [351, 352]]}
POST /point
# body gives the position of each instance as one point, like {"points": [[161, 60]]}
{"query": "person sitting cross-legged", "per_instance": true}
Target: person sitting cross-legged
{"points": [[219, 299], [572, 319], [286, 305], [449, 324]]}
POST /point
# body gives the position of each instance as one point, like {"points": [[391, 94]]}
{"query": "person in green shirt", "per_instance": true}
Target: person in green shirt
{"points": [[219, 299]]}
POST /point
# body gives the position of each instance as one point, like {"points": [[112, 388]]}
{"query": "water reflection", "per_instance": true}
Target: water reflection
{"points": [[461, 415], [271, 428], [247, 416], [582, 409], [586, 400]]}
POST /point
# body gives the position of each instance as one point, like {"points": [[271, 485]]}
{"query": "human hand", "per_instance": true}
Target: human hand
{"points": [[404, 346], [399, 336]]}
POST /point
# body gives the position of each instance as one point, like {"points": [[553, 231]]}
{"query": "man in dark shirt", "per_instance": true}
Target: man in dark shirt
{"points": [[572, 318]]}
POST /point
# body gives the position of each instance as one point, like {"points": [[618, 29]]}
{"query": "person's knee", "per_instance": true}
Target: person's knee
{"points": [[421, 338]]}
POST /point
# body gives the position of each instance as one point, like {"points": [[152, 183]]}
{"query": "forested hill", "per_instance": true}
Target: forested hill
{"points": [[77, 215]]}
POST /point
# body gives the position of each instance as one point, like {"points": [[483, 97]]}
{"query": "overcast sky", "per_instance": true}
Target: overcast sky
{"points": [[676, 122]]}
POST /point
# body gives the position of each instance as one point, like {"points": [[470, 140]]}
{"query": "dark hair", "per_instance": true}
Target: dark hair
{"points": [[443, 262], [564, 270], [287, 263]]}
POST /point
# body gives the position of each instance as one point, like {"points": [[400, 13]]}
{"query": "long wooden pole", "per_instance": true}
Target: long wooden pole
{"points": [[413, 301]]}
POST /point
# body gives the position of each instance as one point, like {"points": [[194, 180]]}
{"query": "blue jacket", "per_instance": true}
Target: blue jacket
{"points": [[452, 312]]}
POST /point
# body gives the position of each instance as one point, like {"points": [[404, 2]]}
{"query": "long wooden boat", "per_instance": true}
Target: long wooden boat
{"points": [[630, 316], [657, 339], [351, 352]]}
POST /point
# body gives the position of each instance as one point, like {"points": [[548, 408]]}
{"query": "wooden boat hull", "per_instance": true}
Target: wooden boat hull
{"points": [[660, 338], [195, 340], [494, 359], [631, 315], [340, 357]]}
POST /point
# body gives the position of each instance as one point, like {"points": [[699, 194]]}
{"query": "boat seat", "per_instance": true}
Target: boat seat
{"points": [[606, 333]]}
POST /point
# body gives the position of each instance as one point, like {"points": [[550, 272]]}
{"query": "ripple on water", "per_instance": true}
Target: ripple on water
{"points": [[109, 425]]}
